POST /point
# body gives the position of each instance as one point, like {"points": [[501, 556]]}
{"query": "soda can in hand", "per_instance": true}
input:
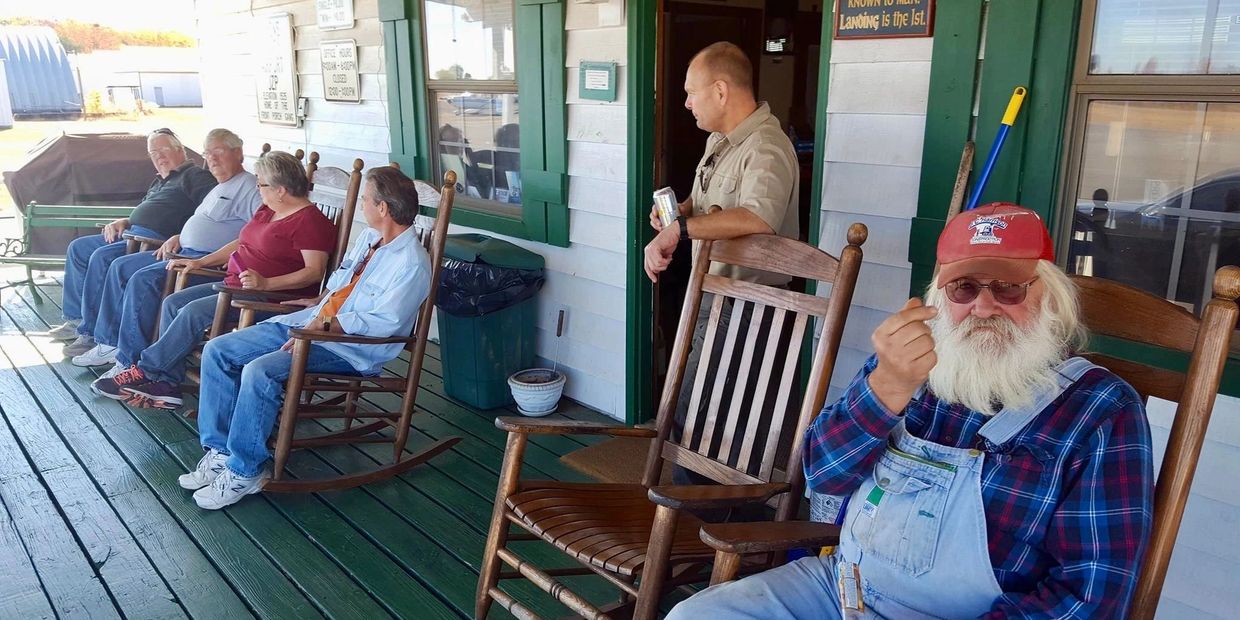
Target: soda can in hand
{"points": [[665, 203]]}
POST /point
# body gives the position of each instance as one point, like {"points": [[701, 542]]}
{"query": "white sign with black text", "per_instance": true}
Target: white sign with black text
{"points": [[334, 14], [274, 78], [340, 79]]}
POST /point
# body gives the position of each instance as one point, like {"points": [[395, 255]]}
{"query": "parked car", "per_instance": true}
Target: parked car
{"points": [[478, 103]]}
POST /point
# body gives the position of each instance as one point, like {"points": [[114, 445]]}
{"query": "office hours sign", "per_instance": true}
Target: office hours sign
{"points": [[275, 77], [340, 80]]}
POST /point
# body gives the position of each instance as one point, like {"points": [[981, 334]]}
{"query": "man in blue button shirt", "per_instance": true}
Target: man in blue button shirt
{"points": [[386, 275]]}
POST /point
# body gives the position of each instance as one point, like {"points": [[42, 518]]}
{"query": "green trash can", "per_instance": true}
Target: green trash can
{"points": [[487, 311]]}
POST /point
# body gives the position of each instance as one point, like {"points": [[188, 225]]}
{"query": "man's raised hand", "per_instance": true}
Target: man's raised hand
{"points": [[905, 349]]}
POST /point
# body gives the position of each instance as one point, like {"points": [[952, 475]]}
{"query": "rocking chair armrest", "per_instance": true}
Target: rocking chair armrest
{"points": [[264, 306], [767, 536], [320, 336], [513, 424], [682, 496], [209, 272], [129, 236], [270, 295]]}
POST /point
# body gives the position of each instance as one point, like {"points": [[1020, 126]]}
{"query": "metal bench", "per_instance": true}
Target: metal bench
{"points": [[17, 251]]}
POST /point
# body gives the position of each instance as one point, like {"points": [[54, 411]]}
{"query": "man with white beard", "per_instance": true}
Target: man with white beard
{"points": [[989, 473]]}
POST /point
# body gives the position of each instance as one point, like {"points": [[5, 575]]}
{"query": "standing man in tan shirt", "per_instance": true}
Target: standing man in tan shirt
{"points": [[749, 170]]}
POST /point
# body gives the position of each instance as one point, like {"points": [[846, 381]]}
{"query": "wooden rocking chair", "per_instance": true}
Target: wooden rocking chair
{"points": [[363, 424], [1113, 310], [335, 192], [638, 535]]}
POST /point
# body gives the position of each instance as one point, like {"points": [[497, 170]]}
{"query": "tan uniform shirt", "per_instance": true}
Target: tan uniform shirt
{"points": [[754, 167]]}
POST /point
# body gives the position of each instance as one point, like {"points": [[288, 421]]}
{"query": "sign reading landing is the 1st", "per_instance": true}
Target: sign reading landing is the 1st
{"points": [[883, 19]]}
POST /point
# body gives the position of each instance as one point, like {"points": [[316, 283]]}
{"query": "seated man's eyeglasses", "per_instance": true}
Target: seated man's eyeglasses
{"points": [[965, 290]]}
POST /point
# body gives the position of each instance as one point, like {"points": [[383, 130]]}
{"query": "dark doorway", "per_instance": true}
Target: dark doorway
{"points": [[783, 43]]}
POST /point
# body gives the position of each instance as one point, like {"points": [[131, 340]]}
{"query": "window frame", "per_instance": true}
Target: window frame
{"points": [[540, 78], [1172, 88]]}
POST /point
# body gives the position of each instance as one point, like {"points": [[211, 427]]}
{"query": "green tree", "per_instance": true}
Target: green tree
{"points": [[455, 72]]}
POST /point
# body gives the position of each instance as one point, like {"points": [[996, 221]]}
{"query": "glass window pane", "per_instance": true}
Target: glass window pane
{"points": [[1158, 203], [1166, 37], [469, 40], [478, 137]]}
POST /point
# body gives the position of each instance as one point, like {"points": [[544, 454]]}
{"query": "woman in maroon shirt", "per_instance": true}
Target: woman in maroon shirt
{"points": [[284, 248]]}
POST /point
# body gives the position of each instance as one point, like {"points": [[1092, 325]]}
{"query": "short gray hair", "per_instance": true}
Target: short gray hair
{"points": [[223, 136], [283, 170]]}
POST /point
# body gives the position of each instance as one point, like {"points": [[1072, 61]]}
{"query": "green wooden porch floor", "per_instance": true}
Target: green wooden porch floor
{"points": [[93, 524]]}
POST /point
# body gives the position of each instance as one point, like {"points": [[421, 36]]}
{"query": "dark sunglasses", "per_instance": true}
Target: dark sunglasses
{"points": [[164, 131], [965, 290]]}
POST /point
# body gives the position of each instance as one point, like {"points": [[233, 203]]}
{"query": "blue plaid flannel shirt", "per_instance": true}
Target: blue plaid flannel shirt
{"points": [[1068, 501]]}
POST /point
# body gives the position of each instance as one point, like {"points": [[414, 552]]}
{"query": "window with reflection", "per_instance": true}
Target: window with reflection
{"points": [[1158, 197], [471, 79], [1169, 37]]}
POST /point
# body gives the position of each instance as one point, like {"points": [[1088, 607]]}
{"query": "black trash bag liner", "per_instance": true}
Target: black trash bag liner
{"points": [[478, 289]]}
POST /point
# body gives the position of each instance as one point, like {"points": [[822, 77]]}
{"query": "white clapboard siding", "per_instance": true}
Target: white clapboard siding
{"points": [[870, 88], [874, 189], [587, 278], [597, 123], [888, 139], [598, 196], [596, 45], [340, 132], [866, 51], [886, 244]]}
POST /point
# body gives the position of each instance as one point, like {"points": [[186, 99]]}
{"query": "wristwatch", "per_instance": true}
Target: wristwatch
{"points": [[684, 227]]}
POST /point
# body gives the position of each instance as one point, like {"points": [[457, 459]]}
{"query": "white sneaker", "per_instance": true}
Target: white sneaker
{"points": [[113, 371], [64, 331], [228, 488], [79, 346], [210, 466], [98, 356]]}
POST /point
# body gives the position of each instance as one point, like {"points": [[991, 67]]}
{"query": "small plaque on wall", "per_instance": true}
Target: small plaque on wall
{"points": [[883, 19], [598, 81], [340, 80], [334, 14]]}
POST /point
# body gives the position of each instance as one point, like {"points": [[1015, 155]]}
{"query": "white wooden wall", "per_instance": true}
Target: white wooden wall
{"points": [[876, 119], [588, 277], [875, 125], [340, 132]]}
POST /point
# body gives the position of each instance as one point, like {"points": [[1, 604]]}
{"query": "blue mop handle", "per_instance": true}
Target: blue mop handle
{"points": [[1009, 119]]}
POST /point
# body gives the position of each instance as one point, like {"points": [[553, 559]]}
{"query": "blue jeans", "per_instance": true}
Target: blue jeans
{"points": [[86, 265], [130, 303], [185, 315], [801, 590], [243, 375]]}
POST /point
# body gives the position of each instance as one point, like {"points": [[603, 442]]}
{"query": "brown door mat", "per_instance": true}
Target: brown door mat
{"points": [[618, 460]]}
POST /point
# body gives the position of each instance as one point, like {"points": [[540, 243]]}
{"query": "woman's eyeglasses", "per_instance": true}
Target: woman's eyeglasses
{"points": [[965, 290]]}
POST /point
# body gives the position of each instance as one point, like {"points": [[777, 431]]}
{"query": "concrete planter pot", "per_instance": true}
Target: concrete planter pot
{"points": [[537, 390]]}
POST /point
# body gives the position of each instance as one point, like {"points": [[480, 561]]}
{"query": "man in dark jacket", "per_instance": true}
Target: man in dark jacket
{"points": [[176, 191]]}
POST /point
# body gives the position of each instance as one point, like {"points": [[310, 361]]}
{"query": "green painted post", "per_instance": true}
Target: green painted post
{"points": [[639, 354]]}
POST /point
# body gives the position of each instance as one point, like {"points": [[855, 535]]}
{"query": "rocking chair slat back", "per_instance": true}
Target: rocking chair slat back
{"points": [[1121, 311], [739, 406]]}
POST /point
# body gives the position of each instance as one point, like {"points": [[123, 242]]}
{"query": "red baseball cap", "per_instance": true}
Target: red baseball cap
{"points": [[999, 240]]}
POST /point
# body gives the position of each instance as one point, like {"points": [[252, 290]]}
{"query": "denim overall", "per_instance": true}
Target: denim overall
{"points": [[917, 526]]}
